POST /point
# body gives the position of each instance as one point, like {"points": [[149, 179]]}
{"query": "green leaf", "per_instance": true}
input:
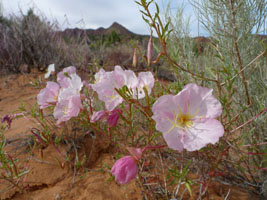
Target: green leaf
{"points": [[188, 188], [146, 20], [149, 3], [168, 33], [157, 7], [166, 28], [144, 13], [138, 3]]}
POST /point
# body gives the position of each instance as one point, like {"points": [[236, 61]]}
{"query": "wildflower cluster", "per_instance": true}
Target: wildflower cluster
{"points": [[65, 95], [187, 120], [107, 82]]}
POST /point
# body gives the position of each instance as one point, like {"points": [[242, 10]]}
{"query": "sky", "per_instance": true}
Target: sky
{"points": [[94, 13]]}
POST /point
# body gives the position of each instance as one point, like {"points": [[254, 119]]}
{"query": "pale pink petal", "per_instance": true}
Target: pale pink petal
{"points": [[131, 80], [66, 93], [60, 111], [100, 75], [64, 73], [67, 108], [202, 102], [98, 116], [48, 95], [111, 98], [182, 102], [124, 78], [75, 106], [105, 89], [164, 104], [125, 169], [73, 81], [164, 113], [202, 133], [145, 80], [119, 77], [175, 138]]}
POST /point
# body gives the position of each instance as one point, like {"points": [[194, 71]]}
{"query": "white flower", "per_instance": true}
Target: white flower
{"points": [[50, 69]]}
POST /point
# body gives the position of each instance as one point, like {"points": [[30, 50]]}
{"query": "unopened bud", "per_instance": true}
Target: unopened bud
{"points": [[149, 50], [134, 58]]}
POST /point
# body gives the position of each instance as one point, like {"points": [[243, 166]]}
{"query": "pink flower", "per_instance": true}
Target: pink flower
{"points": [[107, 82], [188, 119], [69, 79], [124, 78], [113, 117], [125, 169], [48, 95], [65, 73], [104, 86], [9, 118], [145, 80], [68, 106]]}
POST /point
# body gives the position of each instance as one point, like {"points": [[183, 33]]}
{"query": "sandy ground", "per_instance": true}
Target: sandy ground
{"points": [[46, 179]]}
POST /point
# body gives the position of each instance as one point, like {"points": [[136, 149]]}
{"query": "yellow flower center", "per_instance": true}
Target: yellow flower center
{"points": [[66, 109], [182, 120], [113, 96]]}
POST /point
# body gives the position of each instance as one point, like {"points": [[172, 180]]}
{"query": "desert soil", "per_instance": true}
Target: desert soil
{"points": [[46, 178]]}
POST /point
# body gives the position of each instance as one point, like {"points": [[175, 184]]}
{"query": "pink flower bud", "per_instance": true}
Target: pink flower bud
{"points": [[113, 117], [149, 50], [125, 169], [8, 119], [134, 58]]}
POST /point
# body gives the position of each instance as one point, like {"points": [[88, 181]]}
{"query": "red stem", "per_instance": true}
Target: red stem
{"points": [[249, 121]]}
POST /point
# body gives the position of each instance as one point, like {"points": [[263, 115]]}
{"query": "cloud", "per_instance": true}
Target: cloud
{"points": [[86, 13]]}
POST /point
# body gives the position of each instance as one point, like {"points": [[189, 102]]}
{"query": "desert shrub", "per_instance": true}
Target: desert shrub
{"points": [[75, 51], [11, 56], [234, 58], [32, 41], [28, 39]]}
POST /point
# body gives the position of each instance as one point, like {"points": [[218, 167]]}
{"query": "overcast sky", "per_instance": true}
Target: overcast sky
{"points": [[93, 13]]}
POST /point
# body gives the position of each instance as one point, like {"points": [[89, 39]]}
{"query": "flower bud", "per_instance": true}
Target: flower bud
{"points": [[134, 58], [149, 50], [125, 169], [113, 117]]}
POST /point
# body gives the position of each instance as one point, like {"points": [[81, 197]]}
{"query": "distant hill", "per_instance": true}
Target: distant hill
{"points": [[93, 33]]}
